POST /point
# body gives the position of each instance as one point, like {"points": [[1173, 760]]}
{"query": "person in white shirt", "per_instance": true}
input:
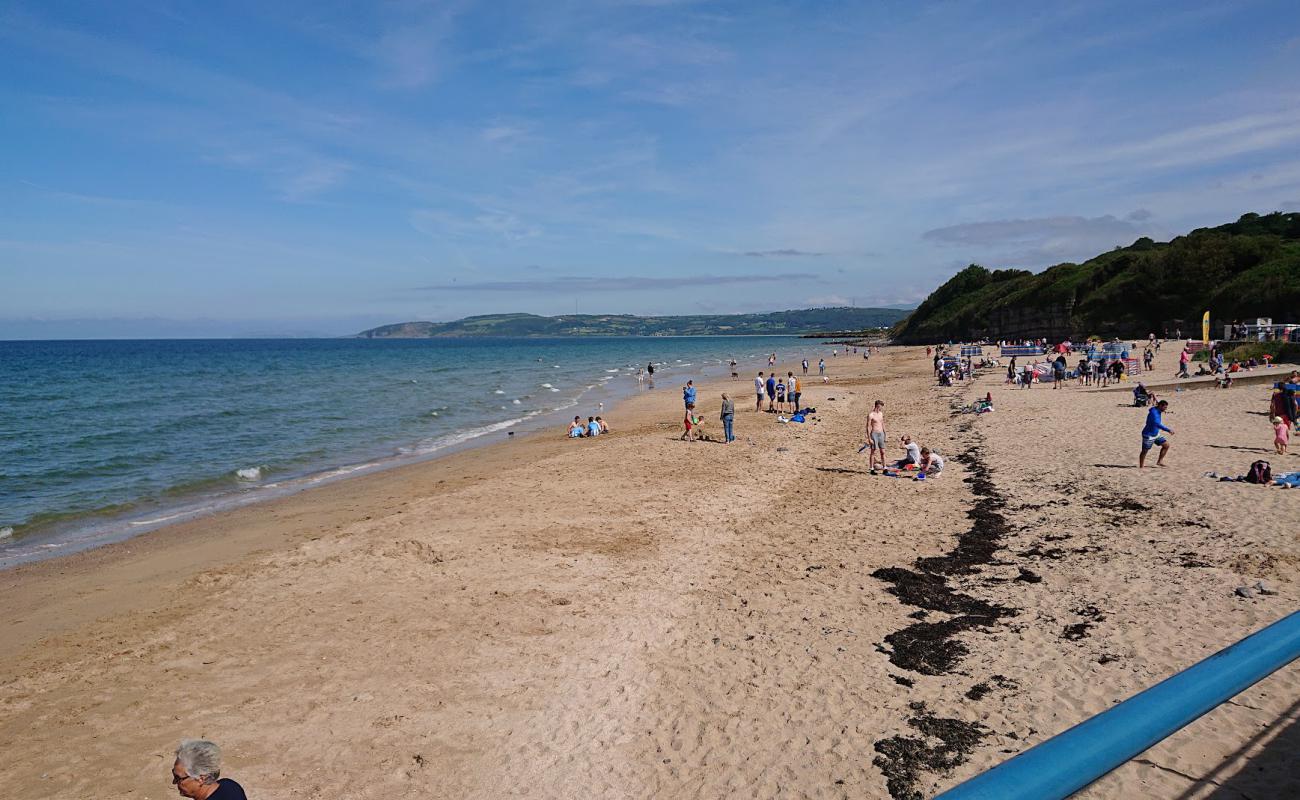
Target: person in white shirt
{"points": [[931, 462], [913, 452], [760, 386]]}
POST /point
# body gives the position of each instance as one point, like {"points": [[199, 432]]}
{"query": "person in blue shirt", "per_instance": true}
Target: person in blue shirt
{"points": [[1151, 434], [593, 427], [688, 394]]}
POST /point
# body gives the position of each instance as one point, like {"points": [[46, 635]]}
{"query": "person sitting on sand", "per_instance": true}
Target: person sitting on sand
{"points": [[931, 463], [913, 453], [196, 773], [604, 426], [593, 427], [576, 429]]}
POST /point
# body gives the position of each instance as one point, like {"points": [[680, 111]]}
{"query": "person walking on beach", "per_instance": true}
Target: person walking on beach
{"points": [[728, 416], [650, 369], [1058, 371], [876, 435], [735, 376], [759, 383], [793, 389], [688, 394], [821, 366], [196, 773], [691, 425], [805, 366], [1183, 358], [1151, 434], [1281, 435]]}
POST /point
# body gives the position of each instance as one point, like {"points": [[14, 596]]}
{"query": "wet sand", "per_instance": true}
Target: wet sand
{"points": [[638, 616]]}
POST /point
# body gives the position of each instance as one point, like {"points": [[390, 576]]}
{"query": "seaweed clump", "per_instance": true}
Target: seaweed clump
{"points": [[943, 744]]}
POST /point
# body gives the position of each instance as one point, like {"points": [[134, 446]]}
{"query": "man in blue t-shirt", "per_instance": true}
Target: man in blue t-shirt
{"points": [[1151, 434]]}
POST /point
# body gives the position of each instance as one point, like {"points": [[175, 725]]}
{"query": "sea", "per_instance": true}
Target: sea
{"points": [[101, 440]]}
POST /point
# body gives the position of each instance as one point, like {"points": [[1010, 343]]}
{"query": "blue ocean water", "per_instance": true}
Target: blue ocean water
{"points": [[100, 439]]}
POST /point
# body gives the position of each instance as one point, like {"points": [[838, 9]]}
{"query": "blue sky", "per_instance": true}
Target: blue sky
{"points": [[229, 168]]}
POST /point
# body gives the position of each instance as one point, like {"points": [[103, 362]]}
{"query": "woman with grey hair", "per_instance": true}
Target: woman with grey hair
{"points": [[196, 773]]}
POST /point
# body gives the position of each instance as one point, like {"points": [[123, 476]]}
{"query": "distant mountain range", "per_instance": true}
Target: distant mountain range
{"points": [[779, 323], [1246, 269]]}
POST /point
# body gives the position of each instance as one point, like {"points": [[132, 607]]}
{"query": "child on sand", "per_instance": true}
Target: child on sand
{"points": [[1281, 435]]}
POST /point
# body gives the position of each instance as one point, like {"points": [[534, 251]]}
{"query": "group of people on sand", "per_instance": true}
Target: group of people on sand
{"points": [[922, 459], [594, 426], [693, 422], [782, 394]]}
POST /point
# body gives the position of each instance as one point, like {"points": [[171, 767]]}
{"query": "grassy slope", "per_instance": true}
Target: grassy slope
{"points": [[1241, 270]]}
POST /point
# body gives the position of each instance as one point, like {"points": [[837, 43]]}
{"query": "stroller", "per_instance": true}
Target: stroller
{"points": [[1143, 397]]}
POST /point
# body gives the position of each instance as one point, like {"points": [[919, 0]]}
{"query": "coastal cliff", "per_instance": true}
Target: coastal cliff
{"points": [[1246, 269]]}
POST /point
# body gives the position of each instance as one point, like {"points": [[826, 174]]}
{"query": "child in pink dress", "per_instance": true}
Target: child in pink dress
{"points": [[1281, 435]]}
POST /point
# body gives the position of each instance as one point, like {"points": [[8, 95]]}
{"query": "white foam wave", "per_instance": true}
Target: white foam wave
{"points": [[547, 386], [6, 532], [611, 370], [443, 442], [517, 402], [497, 391], [156, 520], [248, 473]]}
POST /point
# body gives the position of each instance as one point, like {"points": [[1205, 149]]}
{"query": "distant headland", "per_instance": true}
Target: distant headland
{"points": [[827, 321]]}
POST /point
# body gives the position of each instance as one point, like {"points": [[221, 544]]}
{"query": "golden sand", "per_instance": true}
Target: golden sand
{"points": [[637, 616]]}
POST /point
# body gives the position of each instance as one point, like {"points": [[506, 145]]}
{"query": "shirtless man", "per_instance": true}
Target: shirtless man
{"points": [[876, 435]]}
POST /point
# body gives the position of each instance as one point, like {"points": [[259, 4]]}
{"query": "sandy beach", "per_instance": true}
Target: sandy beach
{"points": [[638, 616]]}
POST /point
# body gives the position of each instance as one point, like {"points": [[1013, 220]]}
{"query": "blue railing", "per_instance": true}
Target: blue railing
{"points": [[1071, 760]]}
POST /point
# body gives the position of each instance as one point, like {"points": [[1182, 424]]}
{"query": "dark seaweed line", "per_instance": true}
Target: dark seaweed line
{"points": [[931, 648]]}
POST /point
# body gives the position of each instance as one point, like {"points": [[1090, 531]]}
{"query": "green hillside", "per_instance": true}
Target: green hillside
{"points": [[1248, 268], [813, 320]]}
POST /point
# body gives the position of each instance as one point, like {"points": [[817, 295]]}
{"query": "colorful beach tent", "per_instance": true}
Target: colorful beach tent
{"points": [[1021, 350]]}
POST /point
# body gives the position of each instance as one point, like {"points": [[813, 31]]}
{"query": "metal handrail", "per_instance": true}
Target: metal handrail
{"points": [[1069, 761]]}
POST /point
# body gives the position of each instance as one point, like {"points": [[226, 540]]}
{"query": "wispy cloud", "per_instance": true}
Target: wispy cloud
{"points": [[1037, 242], [623, 283], [782, 253]]}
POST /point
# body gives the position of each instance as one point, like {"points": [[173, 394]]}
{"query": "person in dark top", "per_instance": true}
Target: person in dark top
{"points": [[196, 773]]}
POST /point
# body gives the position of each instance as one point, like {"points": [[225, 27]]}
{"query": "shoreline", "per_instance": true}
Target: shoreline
{"points": [[229, 533], [76, 532]]}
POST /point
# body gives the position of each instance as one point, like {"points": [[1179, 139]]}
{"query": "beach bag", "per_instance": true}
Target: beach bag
{"points": [[1260, 472]]}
